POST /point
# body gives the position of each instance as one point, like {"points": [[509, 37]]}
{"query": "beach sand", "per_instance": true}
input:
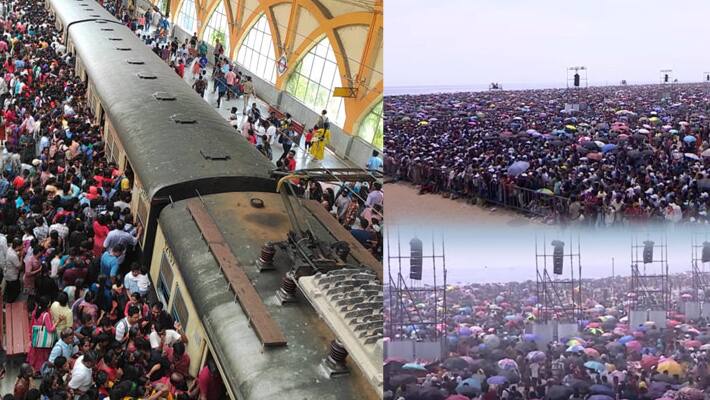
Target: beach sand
{"points": [[405, 206]]}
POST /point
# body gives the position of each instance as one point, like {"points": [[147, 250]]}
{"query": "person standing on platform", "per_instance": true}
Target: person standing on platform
{"points": [[375, 162], [248, 89]]}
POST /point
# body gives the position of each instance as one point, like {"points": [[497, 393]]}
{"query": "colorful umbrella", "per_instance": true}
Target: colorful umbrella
{"points": [[671, 366]]}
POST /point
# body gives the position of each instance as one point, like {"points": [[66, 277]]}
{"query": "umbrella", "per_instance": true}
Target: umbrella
{"points": [[491, 341], [455, 364], [648, 361], [458, 397], [634, 345], [591, 352], [402, 379], [559, 392], [497, 380], [690, 393], [575, 349], [671, 366], [608, 147], [529, 337], [692, 344], [692, 156], [507, 364], [469, 386], [601, 389], [413, 367], [518, 168], [600, 397], [571, 128], [537, 356], [545, 191], [595, 365], [689, 139], [626, 339], [663, 378]]}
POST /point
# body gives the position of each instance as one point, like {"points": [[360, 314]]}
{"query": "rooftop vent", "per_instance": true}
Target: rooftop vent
{"points": [[163, 96], [183, 119], [214, 154], [134, 61], [146, 75], [107, 29], [115, 39], [123, 48]]}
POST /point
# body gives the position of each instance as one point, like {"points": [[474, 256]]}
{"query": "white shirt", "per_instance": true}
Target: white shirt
{"points": [[143, 283], [122, 329], [12, 266], [271, 133], [80, 376], [171, 336]]}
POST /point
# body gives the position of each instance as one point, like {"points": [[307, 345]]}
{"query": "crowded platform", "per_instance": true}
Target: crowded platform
{"points": [[599, 156]]}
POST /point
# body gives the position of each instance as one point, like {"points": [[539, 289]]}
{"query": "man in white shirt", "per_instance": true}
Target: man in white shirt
{"points": [[271, 133], [81, 374], [167, 337], [124, 325], [11, 271]]}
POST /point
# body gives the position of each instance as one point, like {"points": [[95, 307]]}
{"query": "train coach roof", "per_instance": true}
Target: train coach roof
{"points": [[257, 373], [68, 11], [168, 142]]}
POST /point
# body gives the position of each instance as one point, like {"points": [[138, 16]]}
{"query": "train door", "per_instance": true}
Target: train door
{"points": [[211, 372]]}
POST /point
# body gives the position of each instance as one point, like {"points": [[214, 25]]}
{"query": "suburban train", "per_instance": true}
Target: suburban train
{"points": [[218, 237]]}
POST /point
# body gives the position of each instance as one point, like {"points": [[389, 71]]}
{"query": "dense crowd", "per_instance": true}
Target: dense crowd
{"points": [[598, 156], [67, 238], [357, 206], [494, 354]]}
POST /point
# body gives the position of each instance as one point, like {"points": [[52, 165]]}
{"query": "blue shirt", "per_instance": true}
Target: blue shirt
{"points": [[109, 264], [374, 163], [61, 348]]}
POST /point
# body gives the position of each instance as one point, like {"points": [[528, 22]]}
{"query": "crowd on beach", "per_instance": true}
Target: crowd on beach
{"points": [[598, 156]]}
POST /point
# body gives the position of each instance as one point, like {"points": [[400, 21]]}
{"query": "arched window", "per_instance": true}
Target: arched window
{"points": [[217, 28], [163, 6], [187, 16], [257, 51], [371, 129], [313, 80]]}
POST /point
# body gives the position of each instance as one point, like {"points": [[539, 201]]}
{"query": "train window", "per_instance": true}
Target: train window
{"points": [[165, 278], [179, 311]]}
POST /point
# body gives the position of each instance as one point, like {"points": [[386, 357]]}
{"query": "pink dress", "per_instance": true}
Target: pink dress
{"points": [[37, 357]]}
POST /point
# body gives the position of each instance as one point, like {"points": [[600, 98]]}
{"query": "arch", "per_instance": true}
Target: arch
{"points": [[217, 27], [371, 128], [186, 17], [256, 52], [313, 79]]}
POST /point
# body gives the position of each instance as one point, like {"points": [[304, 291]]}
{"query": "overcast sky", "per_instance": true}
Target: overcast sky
{"points": [[466, 42], [487, 254]]}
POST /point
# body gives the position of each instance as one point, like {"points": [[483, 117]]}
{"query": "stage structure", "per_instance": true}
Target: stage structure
{"points": [[667, 81], [697, 304], [413, 332], [650, 291], [559, 292], [495, 86], [577, 76], [706, 77]]}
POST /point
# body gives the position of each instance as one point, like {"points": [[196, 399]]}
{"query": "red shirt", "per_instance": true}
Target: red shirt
{"points": [[211, 385], [291, 164], [18, 182]]}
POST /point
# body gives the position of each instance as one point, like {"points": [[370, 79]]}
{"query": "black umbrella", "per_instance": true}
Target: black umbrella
{"points": [[578, 384], [601, 389], [559, 392], [663, 378], [402, 379], [590, 145], [455, 364], [704, 184]]}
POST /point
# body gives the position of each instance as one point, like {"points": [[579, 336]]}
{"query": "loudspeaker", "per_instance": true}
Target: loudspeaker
{"points": [[415, 259], [558, 256], [576, 80], [665, 78], [706, 252], [648, 251]]}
